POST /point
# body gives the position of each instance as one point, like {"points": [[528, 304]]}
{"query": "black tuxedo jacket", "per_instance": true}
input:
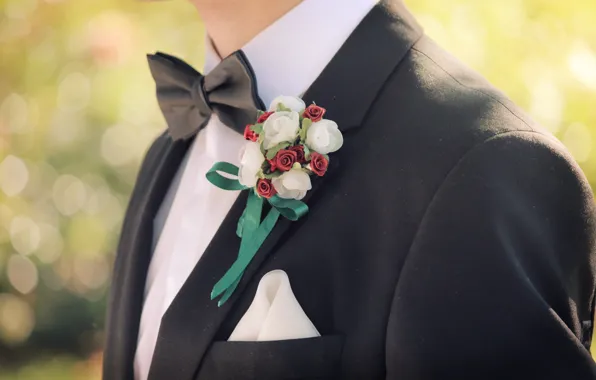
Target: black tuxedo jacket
{"points": [[452, 238]]}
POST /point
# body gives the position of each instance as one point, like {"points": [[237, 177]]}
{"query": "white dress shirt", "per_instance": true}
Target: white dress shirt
{"points": [[286, 57]]}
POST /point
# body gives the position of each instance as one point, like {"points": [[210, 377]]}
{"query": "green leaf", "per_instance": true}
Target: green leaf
{"points": [[259, 113], [306, 152], [272, 175], [306, 123], [273, 151], [257, 128], [281, 107]]}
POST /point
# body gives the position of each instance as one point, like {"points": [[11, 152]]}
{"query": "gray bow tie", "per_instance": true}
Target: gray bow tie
{"points": [[188, 99]]}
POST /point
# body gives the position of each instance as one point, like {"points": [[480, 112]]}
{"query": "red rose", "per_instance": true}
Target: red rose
{"points": [[272, 166], [299, 149], [318, 164], [265, 188], [314, 112], [249, 134], [284, 159], [264, 117]]}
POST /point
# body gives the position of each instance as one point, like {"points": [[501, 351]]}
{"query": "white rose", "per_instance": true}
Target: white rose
{"points": [[292, 184], [251, 160], [279, 127], [324, 137], [291, 102]]}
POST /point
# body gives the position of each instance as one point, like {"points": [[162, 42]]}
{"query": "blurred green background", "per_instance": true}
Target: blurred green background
{"points": [[77, 112]]}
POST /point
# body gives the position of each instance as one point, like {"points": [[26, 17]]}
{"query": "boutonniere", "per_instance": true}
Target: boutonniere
{"points": [[286, 146]]}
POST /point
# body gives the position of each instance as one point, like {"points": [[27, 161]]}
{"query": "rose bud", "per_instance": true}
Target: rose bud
{"points": [[314, 112], [318, 164], [284, 159], [249, 134], [265, 188], [272, 166], [264, 117], [299, 149]]}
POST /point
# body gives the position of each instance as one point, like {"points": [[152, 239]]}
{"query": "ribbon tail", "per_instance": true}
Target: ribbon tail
{"points": [[247, 225], [229, 291], [247, 252], [240, 225]]}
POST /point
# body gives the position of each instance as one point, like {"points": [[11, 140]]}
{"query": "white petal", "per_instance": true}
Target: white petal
{"points": [[324, 136], [295, 194], [300, 195], [292, 102], [296, 179], [279, 127], [279, 187], [252, 156], [247, 176], [292, 184], [337, 140]]}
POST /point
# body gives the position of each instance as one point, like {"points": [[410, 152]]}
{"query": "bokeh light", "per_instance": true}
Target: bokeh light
{"points": [[16, 319], [69, 194], [13, 175], [22, 274], [24, 235]]}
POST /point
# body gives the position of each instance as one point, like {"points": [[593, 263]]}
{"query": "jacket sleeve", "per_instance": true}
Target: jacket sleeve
{"points": [[499, 280]]}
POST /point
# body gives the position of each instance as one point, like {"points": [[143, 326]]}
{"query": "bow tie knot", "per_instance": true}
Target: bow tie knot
{"points": [[188, 99], [200, 98]]}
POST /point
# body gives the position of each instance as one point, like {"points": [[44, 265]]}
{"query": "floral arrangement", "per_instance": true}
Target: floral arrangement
{"points": [[286, 145]]}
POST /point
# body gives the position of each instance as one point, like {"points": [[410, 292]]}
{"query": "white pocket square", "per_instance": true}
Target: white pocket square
{"points": [[274, 314]]}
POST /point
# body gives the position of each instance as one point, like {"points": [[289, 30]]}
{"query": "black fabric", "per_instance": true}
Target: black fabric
{"points": [[452, 239], [188, 99], [311, 358], [130, 269]]}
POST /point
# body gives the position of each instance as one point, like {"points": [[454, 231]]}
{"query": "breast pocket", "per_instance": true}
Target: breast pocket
{"points": [[311, 358]]}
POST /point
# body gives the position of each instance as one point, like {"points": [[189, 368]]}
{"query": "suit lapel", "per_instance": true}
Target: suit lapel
{"points": [[134, 254], [347, 88], [191, 321]]}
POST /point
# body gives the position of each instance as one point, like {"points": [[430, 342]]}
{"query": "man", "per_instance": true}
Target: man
{"points": [[451, 238]]}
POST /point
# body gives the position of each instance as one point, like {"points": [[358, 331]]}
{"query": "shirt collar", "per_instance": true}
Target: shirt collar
{"points": [[288, 56]]}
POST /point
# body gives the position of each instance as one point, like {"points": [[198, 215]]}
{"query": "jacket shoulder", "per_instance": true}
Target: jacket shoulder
{"points": [[437, 109], [450, 98]]}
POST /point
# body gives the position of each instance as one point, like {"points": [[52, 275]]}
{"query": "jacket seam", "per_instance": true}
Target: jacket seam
{"points": [[496, 99], [389, 76]]}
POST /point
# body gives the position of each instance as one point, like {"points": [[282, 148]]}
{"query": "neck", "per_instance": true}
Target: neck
{"points": [[232, 23]]}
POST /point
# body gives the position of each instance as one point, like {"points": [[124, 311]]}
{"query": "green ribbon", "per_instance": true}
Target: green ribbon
{"points": [[222, 182], [290, 208], [251, 230]]}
